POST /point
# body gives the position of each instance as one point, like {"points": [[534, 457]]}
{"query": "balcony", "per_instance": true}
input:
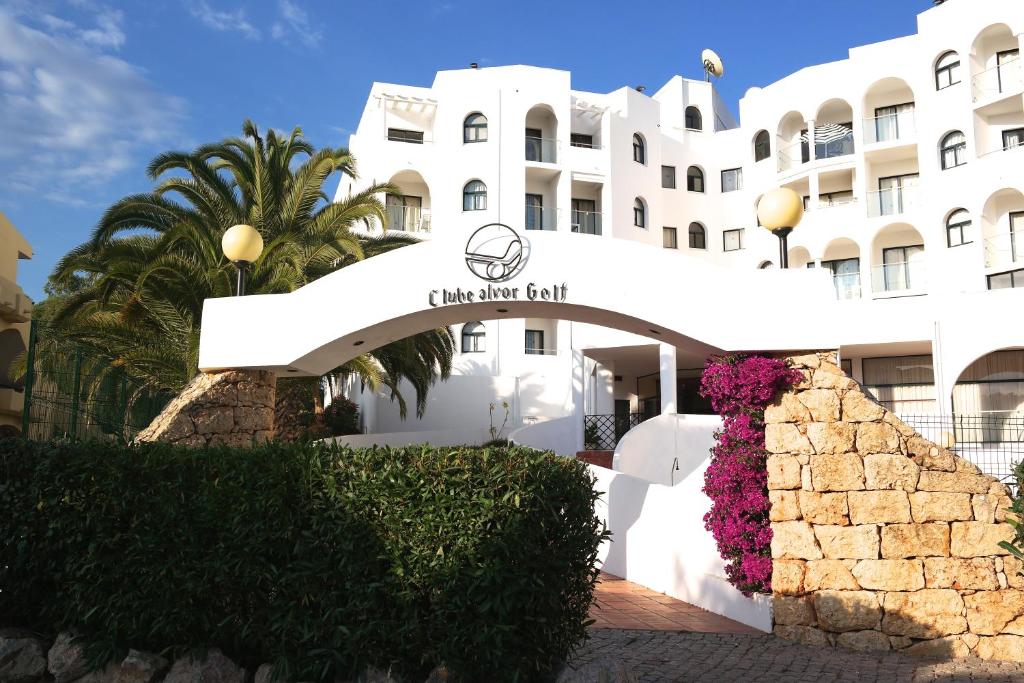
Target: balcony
{"points": [[408, 218], [1003, 79], [832, 142], [541, 150], [903, 278], [1005, 249], [891, 202], [15, 305], [890, 128], [541, 217], [586, 222], [847, 285]]}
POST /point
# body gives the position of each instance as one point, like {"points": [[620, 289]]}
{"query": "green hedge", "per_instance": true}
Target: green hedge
{"points": [[319, 559]]}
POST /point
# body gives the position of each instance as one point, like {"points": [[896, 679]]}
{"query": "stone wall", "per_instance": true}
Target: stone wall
{"points": [[882, 539], [235, 407]]}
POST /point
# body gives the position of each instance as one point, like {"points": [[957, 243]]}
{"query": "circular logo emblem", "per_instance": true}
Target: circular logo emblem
{"points": [[494, 252]]}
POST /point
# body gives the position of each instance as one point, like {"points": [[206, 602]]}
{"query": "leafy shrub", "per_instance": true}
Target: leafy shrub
{"points": [[736, 481], [321, 559], [341, 416], [1016, 517]]}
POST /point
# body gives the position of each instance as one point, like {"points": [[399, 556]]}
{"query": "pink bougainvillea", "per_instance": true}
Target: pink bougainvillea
{"points": [[739, 388]]}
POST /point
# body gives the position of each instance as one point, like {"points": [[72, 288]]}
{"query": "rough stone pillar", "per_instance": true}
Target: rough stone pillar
{"points": [[234, 407], [667, 369]]}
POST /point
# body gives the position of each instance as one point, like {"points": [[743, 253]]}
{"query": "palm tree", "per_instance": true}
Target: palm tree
{"points": [[139, 283]]}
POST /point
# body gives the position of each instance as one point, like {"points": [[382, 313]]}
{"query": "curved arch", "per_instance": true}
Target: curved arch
{"points": [[695, 181], [474, 337], [842, 258], [791, 147], [952, 150], [474, 128], [888, 110], [992, 384], [640, 217], [474, 196], [697, 236], [762, 145], [833, 129], [408, 209], [765, 265], [1002, 228], [947, 69], [692, 118], [541, 133], [639, 148], [987, 49], [898, 259], [799, 257]]}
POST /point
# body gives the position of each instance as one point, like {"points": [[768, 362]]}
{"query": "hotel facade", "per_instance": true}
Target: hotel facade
{"points": [[909, 156]]}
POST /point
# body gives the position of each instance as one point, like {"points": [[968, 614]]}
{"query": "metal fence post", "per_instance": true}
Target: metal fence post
{"points": [[73, 427], [30, 376]]}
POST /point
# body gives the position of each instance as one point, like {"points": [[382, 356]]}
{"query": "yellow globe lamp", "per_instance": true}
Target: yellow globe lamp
{"points": [[780, 210], [242, 245]]}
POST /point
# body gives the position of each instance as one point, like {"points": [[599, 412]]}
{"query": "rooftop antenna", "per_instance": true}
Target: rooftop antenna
{"points": [[641, 88], [712, 64]]}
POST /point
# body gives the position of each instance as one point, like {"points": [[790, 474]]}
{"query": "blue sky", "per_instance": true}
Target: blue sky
{"points": [[91, 90]]}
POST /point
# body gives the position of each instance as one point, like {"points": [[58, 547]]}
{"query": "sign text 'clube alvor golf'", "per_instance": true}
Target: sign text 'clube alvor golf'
{"points": [[494, 253]]}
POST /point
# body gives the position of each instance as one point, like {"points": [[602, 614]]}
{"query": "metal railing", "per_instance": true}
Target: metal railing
{"points": [[992, 441], [544, 150], [890, 127], [541, 217], [1004, 249], [997, 150], [585, 145], [586, 222], [903, 276], [832, 203], [603, 432], [408, 218], [792, 156], [996, 80], [530, 351], [892, 201]]}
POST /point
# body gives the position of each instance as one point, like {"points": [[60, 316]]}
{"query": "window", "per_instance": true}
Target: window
{"points": [[1009, 280], [668, 177], [891, 123], [845, 276], [535, 343], [474, 128], [534, 211], [732, 240], [765, 265], [846, 365], [535, 145], [1003, 59], [698, 236], [1013, 138], [953, 150], [732, 179], [585, 218], [947, 70], [474, 338], [958, 228], [900, 267], [581, 140], [905, 384], [694, 179], [639, 213], [402, 135], [474, 196], [404, 211], [694, 121], [762, 146], [669, 239], [639, 149]]}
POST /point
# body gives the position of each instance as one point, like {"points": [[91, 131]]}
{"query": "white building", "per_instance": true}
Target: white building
{"points": [[910, 158]]}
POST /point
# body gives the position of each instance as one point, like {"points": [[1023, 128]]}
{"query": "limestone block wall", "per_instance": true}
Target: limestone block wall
{"points": [[234, 407], [882, 539]]}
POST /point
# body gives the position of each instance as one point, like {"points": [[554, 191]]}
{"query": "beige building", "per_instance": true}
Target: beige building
{"points": [[15, 312]]}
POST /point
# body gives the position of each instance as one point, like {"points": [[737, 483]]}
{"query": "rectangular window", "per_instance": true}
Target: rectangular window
{"points": [[846, 365], [892, 123], [402, 135], [900, 267], [669, 238], [845, 275], [903, 384], [534, 144], [668, 177], [535, 342], [1002, 59], [585, 218], [896, 193], [581, 140], [534, 212], [732, 240], [404, 211], [732, 179], [1013, 137], [1009, 280]]}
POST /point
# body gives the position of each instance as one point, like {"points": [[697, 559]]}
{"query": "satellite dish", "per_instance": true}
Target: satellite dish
{"points": [[712, 64]]}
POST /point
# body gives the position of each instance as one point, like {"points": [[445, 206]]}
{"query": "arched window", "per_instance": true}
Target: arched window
{"points": [[958, 228], [474, 128], [947, 70], [639, 149], [698, 236], [765, 265], [762, 145], [639, 213], [474, 196], [953, 150], [694, 179], [694, 121], [474, 338]]}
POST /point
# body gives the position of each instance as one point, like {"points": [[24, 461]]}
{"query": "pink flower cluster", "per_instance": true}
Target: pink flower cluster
{"points": [[739, 388]]}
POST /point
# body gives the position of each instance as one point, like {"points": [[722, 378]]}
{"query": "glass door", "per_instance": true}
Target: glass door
{"points": [[403, 211], [899, 265], [892, 122], [534, 342], [1002, 59], [895, 193], [1017, 235], [534, 212], [533, 144], [584, 216]]}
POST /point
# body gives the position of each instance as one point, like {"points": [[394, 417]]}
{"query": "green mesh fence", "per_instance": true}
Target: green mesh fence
{"points": [[76, 392]]}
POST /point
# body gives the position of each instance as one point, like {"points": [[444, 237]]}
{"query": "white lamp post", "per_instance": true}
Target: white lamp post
{"points": [[780, 211], [242, 244]]}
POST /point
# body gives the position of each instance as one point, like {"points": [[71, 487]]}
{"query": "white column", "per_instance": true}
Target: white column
{"points": [[667, 368], [810, 140], [578, 409]]}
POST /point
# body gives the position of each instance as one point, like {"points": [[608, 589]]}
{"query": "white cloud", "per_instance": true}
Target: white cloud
{"points": [[221, 20], [74, 117], [294, 24]]}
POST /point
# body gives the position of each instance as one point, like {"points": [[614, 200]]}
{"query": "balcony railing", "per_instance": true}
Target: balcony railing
{"points": [[902, 276], [792, 156], [831, 202], [544, 150], [834, 147], [900, 126], [1004, 249], [531, 351], [997, 150], [586, 222], [594, 144], [603, 432], [541, 217], [892, 201], [408, 218], [996, 80], [847, 285], [994, 441]]}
